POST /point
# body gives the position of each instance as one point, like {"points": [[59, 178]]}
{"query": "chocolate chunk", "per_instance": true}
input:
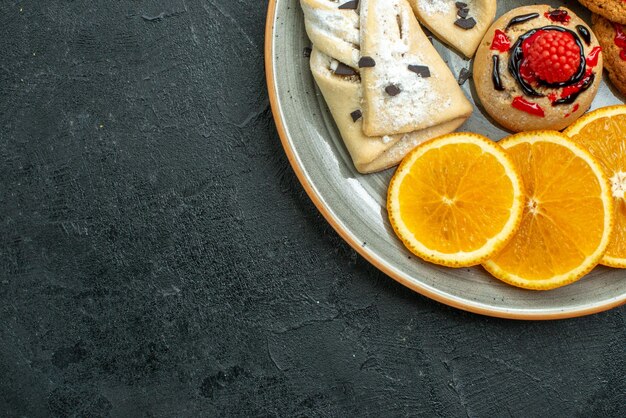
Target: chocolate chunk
{"points": [[366, 62], [421, 70], [462, 13], [392, 90], [465, 23], [306, 52], [350, 5], [343, 69], [463, 76], [460, 5], [356, 115]]}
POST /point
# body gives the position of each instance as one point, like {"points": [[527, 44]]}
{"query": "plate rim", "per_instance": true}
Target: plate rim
{"points": [[347, 236]]}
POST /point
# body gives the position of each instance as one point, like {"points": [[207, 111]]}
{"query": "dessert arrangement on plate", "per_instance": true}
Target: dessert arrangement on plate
{"points": [[538, 209]]}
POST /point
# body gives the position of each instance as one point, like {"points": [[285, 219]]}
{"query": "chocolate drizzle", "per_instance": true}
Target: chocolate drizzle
{"points": [[572, 97], [495, 73], [521, 19], [584, 33], [517, 57]]}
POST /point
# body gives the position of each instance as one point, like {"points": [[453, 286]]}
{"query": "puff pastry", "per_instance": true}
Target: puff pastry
{"points": [[343, 95], [461, 25], [332, 30], [430, 103], [410, 87]]}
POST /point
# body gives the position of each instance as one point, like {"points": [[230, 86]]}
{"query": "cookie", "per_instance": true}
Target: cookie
{"points": [[460, 24], [406, 85], [343, 95], [537, 68], [612, 38], [613, 10], [333, 27]]}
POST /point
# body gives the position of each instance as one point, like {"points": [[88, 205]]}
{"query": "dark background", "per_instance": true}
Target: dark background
{"points": [[159, 258]]}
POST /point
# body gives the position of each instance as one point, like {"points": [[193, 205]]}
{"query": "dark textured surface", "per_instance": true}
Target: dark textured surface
{"points": [[158, 257]]}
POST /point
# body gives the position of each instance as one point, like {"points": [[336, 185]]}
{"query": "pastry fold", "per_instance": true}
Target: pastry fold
{"points": [[332, 30], [439, 17], [397, 99], [343, 95]]}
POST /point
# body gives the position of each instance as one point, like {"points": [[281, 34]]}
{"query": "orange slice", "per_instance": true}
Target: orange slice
{"points": [[455, 200], [568, 213], [603, 133]]}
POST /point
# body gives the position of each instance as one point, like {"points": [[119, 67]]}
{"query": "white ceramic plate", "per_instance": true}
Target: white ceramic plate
{"points": [[354, 204]]}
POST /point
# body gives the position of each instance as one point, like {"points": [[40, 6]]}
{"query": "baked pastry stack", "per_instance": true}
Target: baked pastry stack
{"points": [[385, 85], [609, 24]]}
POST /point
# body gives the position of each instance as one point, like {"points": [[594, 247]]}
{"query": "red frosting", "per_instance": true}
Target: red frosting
{"points": [[592, 58], [620, 40], [525, 106], [501, 42], [560, 16], [592, 61], [574, 88], [576, 107]]}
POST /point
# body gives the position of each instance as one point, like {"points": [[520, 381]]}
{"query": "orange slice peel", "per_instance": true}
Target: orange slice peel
{"points": [[603, 133]]}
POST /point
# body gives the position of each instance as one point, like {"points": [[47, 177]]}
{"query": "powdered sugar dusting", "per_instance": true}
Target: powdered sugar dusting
{"points": [[406, 144], [417, 98], [334, 22], [432, 7], [340, 27]]}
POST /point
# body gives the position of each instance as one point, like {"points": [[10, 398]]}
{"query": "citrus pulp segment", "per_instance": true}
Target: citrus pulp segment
{"points": [[455, 200], [568, 213]]}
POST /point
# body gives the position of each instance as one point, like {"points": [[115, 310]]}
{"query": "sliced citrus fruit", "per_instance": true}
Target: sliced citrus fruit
{"points": [[455, 200], [603, 133], [568, 213]]}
